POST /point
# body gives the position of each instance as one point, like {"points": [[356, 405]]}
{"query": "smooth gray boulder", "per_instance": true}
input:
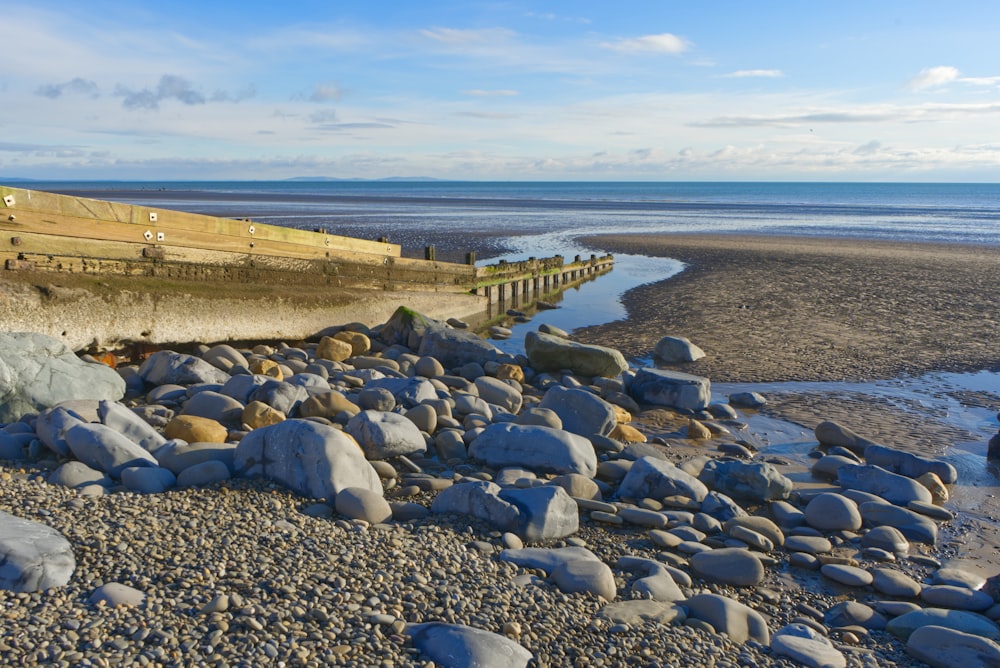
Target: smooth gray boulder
{"points": [[673, 349], [148, 479], [104, 449], [552, 353], [581, 412], [455, 347], [277, 394], [408, 392], [833, 512], [536, 514], [654, 478], [383, 435], [941, 647], [204, 473], [33, 556], [223, 356], [542, 449], [123, 420], [738, 621], [165, 367], [178, 455], [892, 487], [572, 569], [239, 387], [831, 434], [913, 525], [38, 372], [459, 646], [499, 393], [77, 474], [756, 481], [909, 464], [363, 504], [806, 646], [959, 620], [214, 406], [656, 583], [671, 388], [729, 565], [51, 427], [309, 458]]}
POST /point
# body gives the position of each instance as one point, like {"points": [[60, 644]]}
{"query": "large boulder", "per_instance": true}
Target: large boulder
{"points": [[51, 427], [726, 615], [941, 647], [33, 556], [552, 353], [38, 372], [580, 411], [165, 367], [913, 525], [831, 434], [654, 478], [892, 487], [309, 458], [124, 421], [756, 481], [405, 327], [382, 435], [534, 514], [671, 388], [672, 349], [455, 347], [408, 392], [909, 464], [454, 645], [536, 448], [572, 569], [104, 449]]}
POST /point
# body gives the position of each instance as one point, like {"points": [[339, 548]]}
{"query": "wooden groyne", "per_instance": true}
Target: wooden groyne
{"points": [[60, 233]]}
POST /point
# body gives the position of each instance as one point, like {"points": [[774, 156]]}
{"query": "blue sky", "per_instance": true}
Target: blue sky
{"points": [[519, 90]]}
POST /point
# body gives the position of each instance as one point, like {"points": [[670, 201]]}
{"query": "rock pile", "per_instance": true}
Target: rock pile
{"points": [[417, 426]]}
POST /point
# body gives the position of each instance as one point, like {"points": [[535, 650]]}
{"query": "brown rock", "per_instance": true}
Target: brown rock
{"points": [[194, 429], [333, 349], [360, 344], [627, 433], [697, 430], [939, 493], [258, 414], [267, 368], [327, 405], [510, 372]]}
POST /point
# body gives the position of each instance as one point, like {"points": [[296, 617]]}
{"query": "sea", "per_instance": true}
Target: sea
{"points": [[516, 220]]}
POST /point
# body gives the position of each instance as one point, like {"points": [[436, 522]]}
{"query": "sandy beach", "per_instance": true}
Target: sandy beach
{"points": [[792, 308]]}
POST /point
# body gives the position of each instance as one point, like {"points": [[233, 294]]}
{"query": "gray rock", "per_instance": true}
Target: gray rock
{"points": [[959, 620], [721, 507], [738, 621], [832, 512], [552, 353], [148, 479], [499, 393], [541, 417], [406, 327], [204, 473], [377, 399], [535, 448], [747, 400], [455, 347], [238, 387], [458, 646], [33, 556], [759, 525], [808, 544], [309, 458], [637, 612], [655, 478], [892, 487], [941, 647], [581, 412], [673, 349], [961, 598], [756, 481], [223, 356], [166, 367], [105, 449], [852, 613], [131, 426], [423, 417], [408, 392], [827, 466], [51, 427], [216, 406], [113, 594], [656, 582], [909, 464], [536, 514], [38, 372], [585, 576], [914, 526], [383, 435], [671, 388], [806, 646], [731, 566], [77, 474], [279, 395], [851, 576], [178, 455], [831, 434], [891, 582], [360, 503]]}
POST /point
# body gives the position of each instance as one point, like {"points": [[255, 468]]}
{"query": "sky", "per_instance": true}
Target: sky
{"points": [[501, 90]]}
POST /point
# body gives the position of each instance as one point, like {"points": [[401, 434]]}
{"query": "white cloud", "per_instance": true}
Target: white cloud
{"points": [[457, 37], [478, 92], [662, 43], [933, 77], [742, 74]]}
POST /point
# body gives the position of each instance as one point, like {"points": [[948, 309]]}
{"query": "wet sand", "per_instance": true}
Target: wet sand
{"points": [[791, 308]]}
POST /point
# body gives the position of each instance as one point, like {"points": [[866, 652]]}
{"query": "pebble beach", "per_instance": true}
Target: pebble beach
{"points": [[245, 571]]}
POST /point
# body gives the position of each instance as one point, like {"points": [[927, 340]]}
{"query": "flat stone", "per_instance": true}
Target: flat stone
{"points": [[892, 487], [33, 556], [114, 594], [360, 503], [738, 621], [892, 582], [941, 647], [960, 598], [671, 388], [959, 620], [731, 566], [455, 645], [807, 647], [851, 576], [636, 612], [833, 512]]}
